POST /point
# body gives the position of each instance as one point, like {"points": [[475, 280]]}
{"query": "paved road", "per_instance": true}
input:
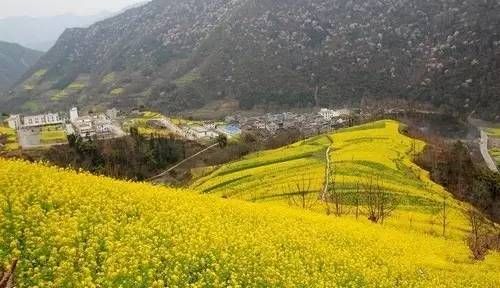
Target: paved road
{"points": [[483, 145]]}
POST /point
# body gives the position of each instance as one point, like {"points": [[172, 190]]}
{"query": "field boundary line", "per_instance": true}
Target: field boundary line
{"points": [[327, 168]]}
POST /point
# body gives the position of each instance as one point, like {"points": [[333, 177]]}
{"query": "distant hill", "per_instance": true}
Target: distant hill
{"points": [[15, 60], [176, 55], [42, 33]]}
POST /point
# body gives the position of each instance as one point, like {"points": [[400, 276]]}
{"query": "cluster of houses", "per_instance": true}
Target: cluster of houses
{"points": [[98, 125], [307, 123], [94, 125]]}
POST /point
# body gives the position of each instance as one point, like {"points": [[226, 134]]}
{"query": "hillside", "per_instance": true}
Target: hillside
{"points": [[15, 60], [78, 230], [176, 55], [375, 153]]}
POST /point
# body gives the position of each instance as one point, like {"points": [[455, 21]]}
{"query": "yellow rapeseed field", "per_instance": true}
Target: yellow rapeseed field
{"points": [[375, 152], [12, 143], [79, 230]]}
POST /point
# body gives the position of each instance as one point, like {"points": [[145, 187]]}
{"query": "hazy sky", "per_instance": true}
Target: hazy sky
{"points": [[38, 8]]}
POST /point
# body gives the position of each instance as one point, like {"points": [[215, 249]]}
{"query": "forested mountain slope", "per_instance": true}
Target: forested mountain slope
{"points": [[182, 54], [15, 60]]}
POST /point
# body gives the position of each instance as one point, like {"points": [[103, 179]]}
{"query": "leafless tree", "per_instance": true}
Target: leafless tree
{"points": [[477, 239], [443, 214], [379, 203], [298, 194], [357, 198]]}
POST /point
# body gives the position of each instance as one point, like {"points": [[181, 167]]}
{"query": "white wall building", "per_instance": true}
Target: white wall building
{"points": [[42, 120], [83, 126], [329, 114], [14, 121], [73, 114]]}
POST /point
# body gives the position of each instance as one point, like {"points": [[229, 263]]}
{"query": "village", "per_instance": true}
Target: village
{"points": [[49, 129]]}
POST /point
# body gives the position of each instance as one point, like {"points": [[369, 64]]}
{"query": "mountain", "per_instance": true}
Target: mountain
{"points": [[41, 33], [15, 60], [176, 55]]}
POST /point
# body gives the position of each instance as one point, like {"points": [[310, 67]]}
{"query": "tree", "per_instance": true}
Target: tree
{"points": [[222, 140], [444, 215], [357, 200], [298, 195], [477, 239], [379, 203]]}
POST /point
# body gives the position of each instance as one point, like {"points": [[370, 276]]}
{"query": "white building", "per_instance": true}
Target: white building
{"points": [[90, 126], [14, 121], [83, 126], [112, 113], [42, 120], [329, 114], [73, 114]]}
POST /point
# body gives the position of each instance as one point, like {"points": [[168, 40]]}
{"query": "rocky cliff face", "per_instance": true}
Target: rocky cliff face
{"points": [[15, 60], [181, 54]]}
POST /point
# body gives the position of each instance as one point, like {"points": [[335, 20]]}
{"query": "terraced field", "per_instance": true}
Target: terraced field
{"points": [[372, 153], [268, 175], [72, 229]]}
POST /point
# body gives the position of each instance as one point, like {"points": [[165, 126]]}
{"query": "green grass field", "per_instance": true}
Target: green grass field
{"points": [[53, 135], [140, 122], [374, 152]]}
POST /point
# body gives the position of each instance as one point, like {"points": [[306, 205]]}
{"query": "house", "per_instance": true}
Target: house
{"points": [[84, 126], [73, 114], [42, 120], [112, 113], [329, 114], [14, 121]]}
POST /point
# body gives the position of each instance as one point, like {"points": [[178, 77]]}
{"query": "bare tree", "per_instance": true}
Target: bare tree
{"points": [[298, 194], [444, 215], [357, 199], [477, 240], [379, 203]]}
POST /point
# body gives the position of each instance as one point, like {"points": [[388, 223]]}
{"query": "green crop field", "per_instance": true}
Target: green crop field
{"points": [[371, 153], [140, 122], [493, 132], [53, 135]]}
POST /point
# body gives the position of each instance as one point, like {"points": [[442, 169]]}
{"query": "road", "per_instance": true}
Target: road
{"points": [[182, 162], [174, 128], [483, 145]]}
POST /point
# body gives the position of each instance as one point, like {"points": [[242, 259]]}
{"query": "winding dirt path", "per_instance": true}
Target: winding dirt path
{"points": [[327, 171]]}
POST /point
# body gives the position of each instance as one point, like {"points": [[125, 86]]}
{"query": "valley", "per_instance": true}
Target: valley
{"points": [[244, 143]]}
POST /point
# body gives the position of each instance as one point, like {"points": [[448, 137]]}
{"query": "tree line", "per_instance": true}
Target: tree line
{"points": [[135, 157]]}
